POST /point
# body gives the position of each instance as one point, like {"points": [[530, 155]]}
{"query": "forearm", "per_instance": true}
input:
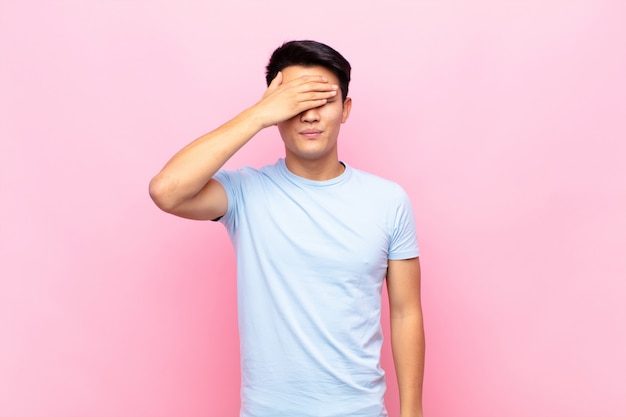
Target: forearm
{"points": [[193, 166], [408, 347], [185, 176]]}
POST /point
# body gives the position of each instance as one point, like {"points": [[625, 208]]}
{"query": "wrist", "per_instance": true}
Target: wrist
{"points": [[412, 411], [258, 117]]}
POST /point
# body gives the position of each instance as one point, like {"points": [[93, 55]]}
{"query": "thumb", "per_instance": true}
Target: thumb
{"points": [[278, 80]]}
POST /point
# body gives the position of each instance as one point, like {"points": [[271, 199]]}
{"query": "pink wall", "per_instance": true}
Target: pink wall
{"points": [[504, 120]]}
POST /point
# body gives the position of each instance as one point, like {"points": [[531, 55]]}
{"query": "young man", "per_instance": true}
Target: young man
{"points": [[314, 240]]}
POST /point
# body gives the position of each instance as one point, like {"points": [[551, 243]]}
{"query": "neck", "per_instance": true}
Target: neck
{"points": [[315, 169]]}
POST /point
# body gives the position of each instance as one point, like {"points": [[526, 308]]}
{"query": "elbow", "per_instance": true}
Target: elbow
{"points": [[160, 190], [412, 312]]}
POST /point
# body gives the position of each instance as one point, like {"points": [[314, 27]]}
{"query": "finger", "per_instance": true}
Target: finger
{"points": [[311, 104], [312, 86], [316, 96], [309, 79]]}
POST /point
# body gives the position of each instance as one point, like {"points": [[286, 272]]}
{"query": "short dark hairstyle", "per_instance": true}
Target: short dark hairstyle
{"points": [[308, 54]]}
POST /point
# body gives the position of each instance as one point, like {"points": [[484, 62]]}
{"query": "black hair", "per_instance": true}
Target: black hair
{"points": [[309, 53]]}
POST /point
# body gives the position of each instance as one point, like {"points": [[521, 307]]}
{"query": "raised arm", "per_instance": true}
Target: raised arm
{"points": [[185, 187], [407, 333]]}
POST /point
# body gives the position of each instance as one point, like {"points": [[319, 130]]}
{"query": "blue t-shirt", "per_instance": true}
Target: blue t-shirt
{"points": [[311, 261]]}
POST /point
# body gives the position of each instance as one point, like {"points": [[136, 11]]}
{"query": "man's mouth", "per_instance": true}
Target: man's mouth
{"points": [[310, 133]]}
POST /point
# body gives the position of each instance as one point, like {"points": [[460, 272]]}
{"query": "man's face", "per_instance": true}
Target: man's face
{"points": [[312, 134]]}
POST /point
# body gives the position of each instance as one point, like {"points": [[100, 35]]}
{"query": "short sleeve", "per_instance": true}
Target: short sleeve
{"points": [[403, 244], [231, 181]]}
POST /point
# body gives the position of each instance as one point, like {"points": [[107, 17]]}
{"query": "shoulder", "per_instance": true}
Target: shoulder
{"points": [[246, 173], [377, 184]]}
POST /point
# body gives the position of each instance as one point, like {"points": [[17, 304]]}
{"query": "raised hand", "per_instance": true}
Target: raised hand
{"points": [[184, 187], [282, 101]]}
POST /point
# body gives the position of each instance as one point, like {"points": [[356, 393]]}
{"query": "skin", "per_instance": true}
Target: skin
{"points": [[185, 187], [305, 104], [407, 332], [310, 137]]}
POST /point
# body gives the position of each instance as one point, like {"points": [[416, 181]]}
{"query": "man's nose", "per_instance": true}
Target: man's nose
{"points": [[310, 116]]}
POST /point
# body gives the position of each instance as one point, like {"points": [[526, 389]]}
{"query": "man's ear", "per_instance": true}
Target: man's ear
{"points": [[347, 106]]}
